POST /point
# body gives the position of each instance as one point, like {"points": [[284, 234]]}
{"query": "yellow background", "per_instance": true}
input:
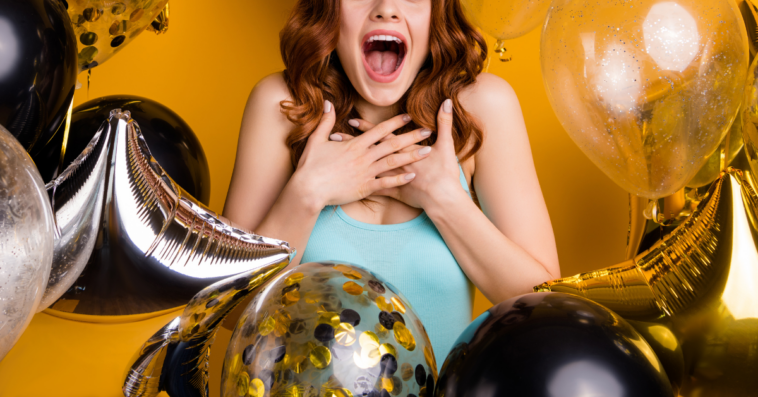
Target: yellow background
{"points": [[204, 69]]}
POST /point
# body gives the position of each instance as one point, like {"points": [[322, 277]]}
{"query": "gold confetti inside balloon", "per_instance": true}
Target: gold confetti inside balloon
{"points": [[350, 335], [647, 89], [104, 27]]}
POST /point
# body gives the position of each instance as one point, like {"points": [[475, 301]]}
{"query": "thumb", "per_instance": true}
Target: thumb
{"points": [[325, 126], [445, 124]]}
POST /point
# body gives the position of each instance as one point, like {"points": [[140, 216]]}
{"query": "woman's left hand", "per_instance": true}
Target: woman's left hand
{"points": [[437, 176]]}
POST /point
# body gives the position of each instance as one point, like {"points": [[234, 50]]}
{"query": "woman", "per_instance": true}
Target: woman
{"points": [[351, 154]]}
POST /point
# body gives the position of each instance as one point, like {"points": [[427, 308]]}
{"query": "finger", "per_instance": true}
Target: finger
{"points": [[340, 137], [399, 142], [381, 130], [393, 192], [360, 125], [387, 182], [445, 124], [399, 159], [325, 126]]}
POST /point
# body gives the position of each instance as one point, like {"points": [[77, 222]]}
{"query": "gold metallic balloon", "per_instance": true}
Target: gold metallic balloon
{"points": [[646, 89], [176, 358], [699, 282], [104, 27]]}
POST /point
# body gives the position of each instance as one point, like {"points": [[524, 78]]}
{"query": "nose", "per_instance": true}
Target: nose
{"points": [[385, 11]]}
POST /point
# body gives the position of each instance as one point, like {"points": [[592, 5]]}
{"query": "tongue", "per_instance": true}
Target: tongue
{"points": [[382, 62]]}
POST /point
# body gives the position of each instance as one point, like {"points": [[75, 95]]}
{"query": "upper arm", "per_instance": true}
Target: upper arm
{"points": [[505, 179], [262, 167]]}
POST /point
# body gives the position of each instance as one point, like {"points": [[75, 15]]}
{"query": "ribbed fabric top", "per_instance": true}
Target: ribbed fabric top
{"points": [[413, 257]]}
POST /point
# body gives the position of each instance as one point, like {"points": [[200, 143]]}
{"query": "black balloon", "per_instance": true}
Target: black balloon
{"points": [[551, 344], [38, 68], [171, 140]]}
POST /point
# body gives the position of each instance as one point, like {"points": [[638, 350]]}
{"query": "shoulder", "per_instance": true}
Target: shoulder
{"points": [[263, 104], [489, 97]]}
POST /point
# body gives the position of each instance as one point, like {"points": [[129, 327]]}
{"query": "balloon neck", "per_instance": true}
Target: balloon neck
{"points": [[501, 51]]}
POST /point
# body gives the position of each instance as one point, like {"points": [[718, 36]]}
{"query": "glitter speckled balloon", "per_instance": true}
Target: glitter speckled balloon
{"points": [[26, 240], [646, 88], [329, 330]]}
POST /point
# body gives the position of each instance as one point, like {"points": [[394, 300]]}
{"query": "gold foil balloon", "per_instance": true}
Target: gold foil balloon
{"points": [[506, 19], [175, 359], [647, 89], [326, 344], [104, 27], [26, 240], [699, 282]]}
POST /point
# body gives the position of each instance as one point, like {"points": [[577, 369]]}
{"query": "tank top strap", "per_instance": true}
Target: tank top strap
{"points": [[462, 178]]}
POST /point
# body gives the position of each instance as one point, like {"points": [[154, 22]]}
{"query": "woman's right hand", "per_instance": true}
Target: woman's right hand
{"points": [[336, 173]]}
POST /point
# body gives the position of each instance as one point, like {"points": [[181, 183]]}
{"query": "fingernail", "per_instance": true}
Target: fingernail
{"points": [[354, 122], [327, 106], [425, 150], [426, 132], [410, 176], [406, 118], [336, 137], [447, 106]]}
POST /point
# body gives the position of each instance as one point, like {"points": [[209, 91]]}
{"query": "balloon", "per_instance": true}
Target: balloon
{"points": [[555, 345], [699, 279], [76, 197], [157, 246], [37, 73], [329, 329], [750, 117], [506, 19], [171, 140], [175, 359], [26, 240], [645, 89], [104, 27]]}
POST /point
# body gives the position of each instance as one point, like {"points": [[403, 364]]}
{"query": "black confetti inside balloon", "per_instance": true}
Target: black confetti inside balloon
{"points": [[328, 330], [551, 345]]}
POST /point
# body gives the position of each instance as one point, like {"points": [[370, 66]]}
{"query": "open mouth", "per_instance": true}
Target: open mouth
{"points": [[383, 55]]}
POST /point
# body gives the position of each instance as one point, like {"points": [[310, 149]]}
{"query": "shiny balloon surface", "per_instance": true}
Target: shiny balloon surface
{"points": [[750, 117], [555, 345], [37, 73], [171, 140], [506, 19], [647, 89], [104, 27], [329, 329], [26, 240]]}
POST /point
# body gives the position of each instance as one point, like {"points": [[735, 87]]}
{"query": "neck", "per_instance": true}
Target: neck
{"points": [[375, 114]]}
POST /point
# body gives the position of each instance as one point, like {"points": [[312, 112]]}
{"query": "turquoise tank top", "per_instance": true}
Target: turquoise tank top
{"points": [[413, 257]]}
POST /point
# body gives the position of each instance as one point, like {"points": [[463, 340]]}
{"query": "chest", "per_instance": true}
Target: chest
{"points": [[381, 210]]}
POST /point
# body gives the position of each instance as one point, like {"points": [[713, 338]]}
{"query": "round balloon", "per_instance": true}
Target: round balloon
{"points": [[551, 344], [329, 329], [506, 19], [171, 140], [26, 240], [104, 27], [646, 89], [37, 72]]}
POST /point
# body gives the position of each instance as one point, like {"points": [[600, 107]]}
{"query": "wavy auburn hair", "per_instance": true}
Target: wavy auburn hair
{"points": [[313, 73]]}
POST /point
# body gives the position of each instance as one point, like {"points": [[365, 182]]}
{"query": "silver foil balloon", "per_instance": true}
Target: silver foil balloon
{"points": [[76, 197], [176, 358], [156, 245], [26, 240]]}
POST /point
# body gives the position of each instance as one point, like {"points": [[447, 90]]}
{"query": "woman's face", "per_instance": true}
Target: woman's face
{"points": [[382, 45]]}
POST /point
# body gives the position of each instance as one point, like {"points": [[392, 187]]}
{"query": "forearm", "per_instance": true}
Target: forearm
{"points": [[291, 218], [499, 267]]}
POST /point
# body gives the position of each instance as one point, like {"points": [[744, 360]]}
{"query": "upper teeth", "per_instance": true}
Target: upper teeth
{"points": [[382, 37]]}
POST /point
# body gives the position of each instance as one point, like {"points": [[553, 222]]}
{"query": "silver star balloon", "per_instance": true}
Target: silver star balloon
{"points": [[132, 242]]}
